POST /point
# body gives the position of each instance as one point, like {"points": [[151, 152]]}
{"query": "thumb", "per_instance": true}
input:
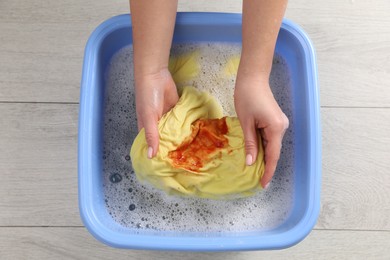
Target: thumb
{"points": [[151, 136], [251, 142]]}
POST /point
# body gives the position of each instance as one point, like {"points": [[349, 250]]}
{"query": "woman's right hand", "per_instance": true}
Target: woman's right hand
{"points": [[156, 94]]}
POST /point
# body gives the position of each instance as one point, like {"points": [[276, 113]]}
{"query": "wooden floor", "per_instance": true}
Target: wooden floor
{"points": [[41, 53]]}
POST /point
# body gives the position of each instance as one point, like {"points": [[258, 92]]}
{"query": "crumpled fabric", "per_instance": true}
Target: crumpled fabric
{"points": [[225, 176]]}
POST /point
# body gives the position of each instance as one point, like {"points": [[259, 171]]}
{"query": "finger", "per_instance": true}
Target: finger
{"points": [[272, 154], [151, 135], [251, 142], [139, 116], [139, 123]]}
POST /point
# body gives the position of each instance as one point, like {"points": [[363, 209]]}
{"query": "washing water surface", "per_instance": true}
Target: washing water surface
{"points": [[139, 206]]}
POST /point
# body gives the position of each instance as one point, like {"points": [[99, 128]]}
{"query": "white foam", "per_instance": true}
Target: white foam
{"points": [[154, 210]]}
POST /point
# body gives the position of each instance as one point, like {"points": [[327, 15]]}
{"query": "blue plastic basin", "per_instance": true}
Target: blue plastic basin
{"points": [[293, 45]]}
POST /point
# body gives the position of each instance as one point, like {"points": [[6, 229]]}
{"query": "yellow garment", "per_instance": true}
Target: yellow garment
{"points": [[231, 66], [226, 176], [184, 68]]}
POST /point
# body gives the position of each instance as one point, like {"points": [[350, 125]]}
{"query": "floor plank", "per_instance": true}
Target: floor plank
{"points": [[33, 76], [38, 164], [356, 180], [39, 168], [42, 46], [353, 53], [65, 243], [63, 12]]}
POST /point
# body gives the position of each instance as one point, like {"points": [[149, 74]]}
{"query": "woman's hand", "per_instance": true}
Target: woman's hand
{"points": [[156, 94], [258, 110], [255, 104], [153, 22]]}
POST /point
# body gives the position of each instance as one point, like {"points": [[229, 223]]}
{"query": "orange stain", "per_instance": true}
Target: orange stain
{"points": [[206, 139]]}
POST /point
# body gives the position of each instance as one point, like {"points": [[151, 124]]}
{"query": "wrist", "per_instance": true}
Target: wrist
{"points": [[256, 62], [149, 63], [248, 76], [142, 74]]}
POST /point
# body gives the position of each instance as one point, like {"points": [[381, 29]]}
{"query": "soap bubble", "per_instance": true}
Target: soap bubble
{"points": [[115, 177]]}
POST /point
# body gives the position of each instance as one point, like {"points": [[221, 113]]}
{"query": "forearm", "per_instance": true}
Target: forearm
{"points": [[260, 26], [153, 23]]}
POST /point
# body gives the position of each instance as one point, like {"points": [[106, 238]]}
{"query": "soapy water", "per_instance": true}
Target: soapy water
{"points": [[140, 206]]}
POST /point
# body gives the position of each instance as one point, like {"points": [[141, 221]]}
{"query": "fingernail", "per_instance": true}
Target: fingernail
{"points": [[248, 159], [266, 186], [150, 152]]}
